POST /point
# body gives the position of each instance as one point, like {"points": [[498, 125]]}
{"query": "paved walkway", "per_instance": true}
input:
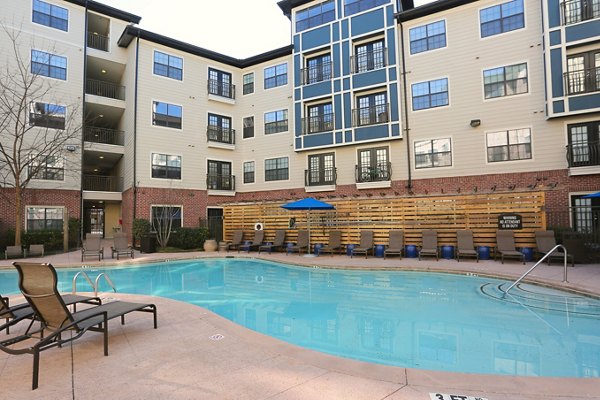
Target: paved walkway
{"points": [[181, 359]]}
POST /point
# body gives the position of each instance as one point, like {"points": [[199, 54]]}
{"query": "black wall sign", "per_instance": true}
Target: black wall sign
{"points": [[510, 221]]}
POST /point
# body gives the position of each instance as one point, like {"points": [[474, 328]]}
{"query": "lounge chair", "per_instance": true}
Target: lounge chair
{"points": [[505, 246], [13, 252], [38, 283], [302, 243], [465, 246], [396, 244], [35, 250], [121, 246], [238, 240], [429, 246], [366, 244], [334, 244], [259, 235], [277, 244], [92, 247], [545, 241]]}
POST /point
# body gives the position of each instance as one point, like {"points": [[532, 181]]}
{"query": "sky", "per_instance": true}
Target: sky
{"points": [[236, 28]]}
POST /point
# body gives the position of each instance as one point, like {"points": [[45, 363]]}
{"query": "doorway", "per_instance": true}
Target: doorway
{"points": [[93, 221], [214, 219]]}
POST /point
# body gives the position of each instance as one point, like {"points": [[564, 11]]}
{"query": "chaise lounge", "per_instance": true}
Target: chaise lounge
{"points": [[429, 245], [505, 246], [259, 235], [366, 244], [277, 243], [396, 244], [238, 240], [121, 246], [301, 244], [465, 246], [334, 244]]}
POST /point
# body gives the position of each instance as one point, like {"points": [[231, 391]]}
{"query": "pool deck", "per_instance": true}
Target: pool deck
{"points": [[183, 359]]}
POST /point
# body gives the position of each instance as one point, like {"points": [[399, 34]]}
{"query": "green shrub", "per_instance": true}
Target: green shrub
{"points": [[188, 238], [140, 228], [74, 234], [52, 239]]}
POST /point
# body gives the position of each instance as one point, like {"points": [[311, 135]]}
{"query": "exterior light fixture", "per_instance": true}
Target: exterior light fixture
{"points": [[475, 123]]}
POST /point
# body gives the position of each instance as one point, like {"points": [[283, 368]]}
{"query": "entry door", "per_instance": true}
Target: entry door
{"points": [[214, 217], [97, 221]]}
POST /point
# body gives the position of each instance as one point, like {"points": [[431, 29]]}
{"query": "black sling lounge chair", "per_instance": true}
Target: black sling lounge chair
{"points": [[237, 241], [505, 246], [465, 246], [259, 235], [302, 244], [38, 283], [277, 243], [334, 245], [366, 244], [430, 244], [396, 244]]}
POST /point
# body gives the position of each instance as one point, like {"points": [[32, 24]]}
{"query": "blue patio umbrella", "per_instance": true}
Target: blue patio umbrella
{"points": [[308, 204], [592, 196]]}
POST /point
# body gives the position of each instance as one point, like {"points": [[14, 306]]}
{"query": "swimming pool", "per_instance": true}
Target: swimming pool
{"points": [[412, 319]]}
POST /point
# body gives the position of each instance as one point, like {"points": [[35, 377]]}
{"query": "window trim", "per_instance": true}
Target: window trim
{"points": [[253, 127], [432, 153], [412, 97], [162, 205], [167, 178], [265, 133], [362, 10], [317, 104], [314, 6], [152, 112], [43, 158], [32, 108], [244, 172], [50, 26], [287, 76], [363, 42], [321, 171], [253, 84], [48, 65], [276, 158], [500, 162], [45, 207], [428, 51], [503, 32], [168, 67]]}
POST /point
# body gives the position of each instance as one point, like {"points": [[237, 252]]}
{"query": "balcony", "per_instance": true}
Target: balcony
{"points": [[368, 61], [220, 182], [96, 134], [105, 89], [220, 88], [220, 135], [317, 123], [98, 183], [574, 11], [381, 173], [317, 73], [322, 177], [377, 114], [97, 41], [582, 81], [585, 154]]}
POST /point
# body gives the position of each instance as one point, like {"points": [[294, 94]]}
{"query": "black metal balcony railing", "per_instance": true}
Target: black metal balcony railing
{"points": [[382, 172], [582, 81], [98, 183], [368, 61], [574, 11], [316, 73], [97, 41], [321, 177], [370, 115], [220, 88], [220, 134], [220, 182], [585, 154], [317, 123], [103, 135], [105, 89]]}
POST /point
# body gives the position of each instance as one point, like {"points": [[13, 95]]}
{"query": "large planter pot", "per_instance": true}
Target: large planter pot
{"points": [[210, 245]]}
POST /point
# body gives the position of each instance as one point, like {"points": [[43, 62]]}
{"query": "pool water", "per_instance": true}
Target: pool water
{"points": [[411, 319]]}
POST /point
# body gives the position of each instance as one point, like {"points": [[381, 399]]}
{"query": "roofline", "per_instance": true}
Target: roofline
{"points": [[287, 5], [430, 8], [131, 32], [107, 10]]}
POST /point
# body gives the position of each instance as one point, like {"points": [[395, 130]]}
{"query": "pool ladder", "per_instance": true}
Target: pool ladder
{"points": [[558, 246], [94, 284]]}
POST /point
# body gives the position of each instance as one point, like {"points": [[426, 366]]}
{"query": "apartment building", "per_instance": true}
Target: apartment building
{"points": [[371, 98]]}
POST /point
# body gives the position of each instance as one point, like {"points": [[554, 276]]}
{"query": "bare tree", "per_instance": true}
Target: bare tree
{"points": [[162, 221], [36, 126]]}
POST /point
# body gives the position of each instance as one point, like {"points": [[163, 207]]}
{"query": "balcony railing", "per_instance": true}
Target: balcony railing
{"points": [[105, 89], [368, 61], [316, 73], [221, 88], [103, 135], [98, 183], [585, 154], [574, 11], [321, 177], [370, 115], [317, 123], [97, 41], [382, 172], [220, 182], [220, 134], [582, 81]]}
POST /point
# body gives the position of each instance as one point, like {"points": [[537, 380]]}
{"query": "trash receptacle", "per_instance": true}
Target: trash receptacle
{"points": [[148, 244]]}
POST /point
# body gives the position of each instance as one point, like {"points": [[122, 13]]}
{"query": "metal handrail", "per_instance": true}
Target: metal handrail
{"points": [[95, 284], [538, 263], [87, 278], [107, 279]]}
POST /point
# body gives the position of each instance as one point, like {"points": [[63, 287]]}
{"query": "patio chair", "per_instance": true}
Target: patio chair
{"points": [[545, 241], [302, 243], [505, 246], [259, 235], [366, 244], [238, 240], [334, 244], [92, 247], [13, 252], [465, 246], [396, 243], [429, 246], [38, 283], [277, 243], [35, 250], [121, 246]]}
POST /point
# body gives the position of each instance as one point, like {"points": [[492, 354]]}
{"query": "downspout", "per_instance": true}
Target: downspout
{"points": [[135, 110], [405, 95], [81, 211]]}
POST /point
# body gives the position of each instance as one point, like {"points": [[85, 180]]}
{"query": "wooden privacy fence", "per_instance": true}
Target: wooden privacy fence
{"points": [[447, 214]]}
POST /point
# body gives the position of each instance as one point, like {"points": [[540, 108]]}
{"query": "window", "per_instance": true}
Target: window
{"points": [[277, 169], [276, 76], [321, 170], [505, 81], [580, 10], [319, 119], [583, 72], [219, 176], [249, 172], [369, 56], [50, 168], [49, 65], [40, 218], [169, 66], [276, 121], [219, 129], [356, 6], [315, 15], [430, 94], [165, 166], [317, 69], [427, 37], [511, 145], [47, 115], [248, 127], [433, 153], [249, 83], [219, 83], [167, 115], [373, 165], [371, 109], [502, 18], [162, 215], [584, 144], [50, 15], [585, 214]]}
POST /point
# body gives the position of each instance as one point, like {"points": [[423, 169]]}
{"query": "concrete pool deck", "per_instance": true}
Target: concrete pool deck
{"points": [[183, 359]]}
